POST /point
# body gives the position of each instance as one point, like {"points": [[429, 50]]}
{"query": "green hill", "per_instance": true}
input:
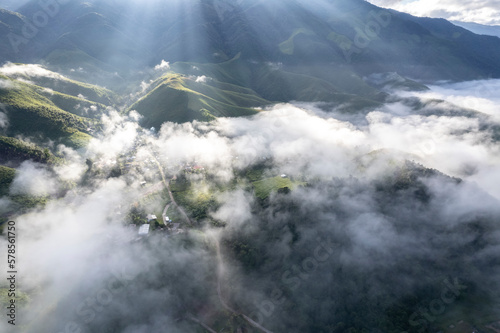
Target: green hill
{"points": [[32, 114], [42, 77], [12, 150], [178, 98], [281, 83], [76, 105]]}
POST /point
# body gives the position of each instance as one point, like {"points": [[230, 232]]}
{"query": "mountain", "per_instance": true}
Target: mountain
{"points": [[120, 36], [480, 29], [338, 192], [48, 106], [248, 53], [200, 59]]}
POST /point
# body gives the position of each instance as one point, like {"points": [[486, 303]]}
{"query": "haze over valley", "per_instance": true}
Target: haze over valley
{"points": [[248, 166]]}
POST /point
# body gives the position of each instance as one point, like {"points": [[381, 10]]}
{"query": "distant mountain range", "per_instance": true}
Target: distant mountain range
{"points": [[122, 35], [200, 59], [480, 29]]}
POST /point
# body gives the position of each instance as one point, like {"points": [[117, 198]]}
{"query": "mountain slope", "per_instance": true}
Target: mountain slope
{"points": [[179, 99], [30, 113], [13, 150], [364, 38], [480, 29], [48, 106]]}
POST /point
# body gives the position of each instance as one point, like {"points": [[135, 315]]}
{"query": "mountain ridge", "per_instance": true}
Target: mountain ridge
{"points": [[356, 34]]}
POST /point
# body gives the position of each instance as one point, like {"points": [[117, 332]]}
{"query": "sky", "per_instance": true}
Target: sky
{"points": [[478, 11], [12, 4]]}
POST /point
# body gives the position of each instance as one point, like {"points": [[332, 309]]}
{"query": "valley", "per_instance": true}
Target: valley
{"points": [[248, 166]]}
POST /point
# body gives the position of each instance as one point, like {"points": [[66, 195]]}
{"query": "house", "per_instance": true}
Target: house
{"points": [[144, 230], [151, 217], [284, 176]]}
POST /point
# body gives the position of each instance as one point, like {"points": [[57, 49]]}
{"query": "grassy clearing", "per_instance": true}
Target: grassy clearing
{"points": [[263, 188], [197, 198]]}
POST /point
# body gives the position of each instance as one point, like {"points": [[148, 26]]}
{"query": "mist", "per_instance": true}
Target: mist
{"points": [[389, 207]]}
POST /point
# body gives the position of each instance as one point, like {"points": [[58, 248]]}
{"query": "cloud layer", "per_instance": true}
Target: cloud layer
{"points": [[358, 236]]}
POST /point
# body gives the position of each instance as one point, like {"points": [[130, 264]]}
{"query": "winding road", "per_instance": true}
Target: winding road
{"points": [[220, 264], [199, 322], [167, 186], [220, 273]]}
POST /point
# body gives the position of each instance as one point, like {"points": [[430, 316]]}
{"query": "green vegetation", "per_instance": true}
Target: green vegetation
{"points": [[198, 198], [77, 139], [389, 243], [78, 106], [26, 202], [15, 149], [265, 83], [180, 99], [152, 203], [21, 298], [264, 188], [31, 113], [6, 177], [65, 86], [75, 58], [17, 203]]}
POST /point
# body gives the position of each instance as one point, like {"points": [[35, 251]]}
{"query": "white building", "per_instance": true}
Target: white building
{"points": [[144, 230]]}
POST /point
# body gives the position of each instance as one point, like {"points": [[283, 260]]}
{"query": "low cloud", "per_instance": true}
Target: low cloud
{"points": [[33, 179], [4, 120], [119, 135], [29, 70], [6, 84], [480, 95], [164, 65], [202, 79], [380, 219]]}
